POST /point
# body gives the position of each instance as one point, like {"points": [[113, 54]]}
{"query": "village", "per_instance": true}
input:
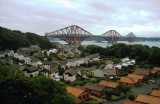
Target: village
{"points": [[87, 78]]}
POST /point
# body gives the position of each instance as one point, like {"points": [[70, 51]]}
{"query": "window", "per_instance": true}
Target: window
{"points": [[87, 95], [80, 97], [83, 96]]}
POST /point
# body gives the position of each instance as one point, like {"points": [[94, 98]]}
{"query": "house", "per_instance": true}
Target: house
{"points": [[156, 93], [31, 71], [53, 73], [85, 60], [72, 62], [109, 84], [62, 55], [157, 69], [6, 52], [77, 51], [146, 99], [140, 77], [63, 64], [72, 75], [16, 55], [34, 48], [118, 66], [27, 59], [128, 81], [53, 51], [94, 57], [125, 59], [81, 74], [109, 66], [38, 54], [142, 71], [35, 61], [10, 52], [23, 50], [124, 64], [82, 95], [48, 64], [103, 72], [154, 72], [133, 61], [2, 54], [95, 89], [131, 102], [70, 54]]}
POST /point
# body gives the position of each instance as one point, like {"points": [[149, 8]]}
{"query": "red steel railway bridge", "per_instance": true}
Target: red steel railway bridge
{"points": [[76, 35]]}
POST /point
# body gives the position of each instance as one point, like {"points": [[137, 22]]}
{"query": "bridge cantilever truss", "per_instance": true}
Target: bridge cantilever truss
{"points": [[72, 34], [76, 35], [111, 36], [131, 37]]}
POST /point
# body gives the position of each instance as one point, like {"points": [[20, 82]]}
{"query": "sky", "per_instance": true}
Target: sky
{"points": [[142, 17]]}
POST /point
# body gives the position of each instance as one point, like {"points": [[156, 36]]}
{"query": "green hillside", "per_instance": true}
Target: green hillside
{"points": [[13, 39]]}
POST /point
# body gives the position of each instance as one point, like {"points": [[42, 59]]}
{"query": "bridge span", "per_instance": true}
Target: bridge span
{"points": [[76, 35]]}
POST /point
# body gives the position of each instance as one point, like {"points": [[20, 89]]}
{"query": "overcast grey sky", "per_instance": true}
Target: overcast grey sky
{"points": [[142, 17]]}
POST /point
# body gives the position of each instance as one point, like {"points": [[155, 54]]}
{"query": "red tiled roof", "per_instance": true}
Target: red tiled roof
{"points": [[128, 80], [75, 91], [136, 76], [109, 84], [147, 99], [156, 93], [130, 102]]}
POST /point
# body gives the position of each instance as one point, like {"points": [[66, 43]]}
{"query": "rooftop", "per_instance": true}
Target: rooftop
{"points": [[75, 91], [109, 84], [129, 80], [131, 102], [156, 68], [147, 99], [142, 71], [156, 93], [94, 86], [136, 76]]}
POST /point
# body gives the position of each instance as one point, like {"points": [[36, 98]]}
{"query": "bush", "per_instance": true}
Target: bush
{"points": [[115, 98]]}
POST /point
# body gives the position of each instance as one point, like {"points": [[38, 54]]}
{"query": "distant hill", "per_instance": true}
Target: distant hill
{"points": [[13, 39]]}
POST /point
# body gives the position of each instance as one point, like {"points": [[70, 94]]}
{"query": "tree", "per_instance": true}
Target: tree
{"points": [[108, 93], [123, 88], [16, 88]]}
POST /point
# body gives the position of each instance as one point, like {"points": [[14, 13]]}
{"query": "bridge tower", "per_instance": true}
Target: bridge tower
{"points": [[72, 35], [111, 36], [131, 37]]}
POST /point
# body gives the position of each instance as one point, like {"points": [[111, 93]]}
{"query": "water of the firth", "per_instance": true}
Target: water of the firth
{"points": [[105, 43]]}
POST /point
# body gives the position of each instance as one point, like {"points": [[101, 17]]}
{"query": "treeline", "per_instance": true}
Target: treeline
{"points": [[13, 39], [143, 54], [18, 89]]}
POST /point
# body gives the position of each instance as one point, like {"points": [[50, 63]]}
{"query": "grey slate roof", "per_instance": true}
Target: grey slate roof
{"points": [[31, 69], [24, 49], [142, 71], [34, 59], [47, 62], [53, 70], [35, 46], [64, 62], [73, 72], [94, 86]]}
